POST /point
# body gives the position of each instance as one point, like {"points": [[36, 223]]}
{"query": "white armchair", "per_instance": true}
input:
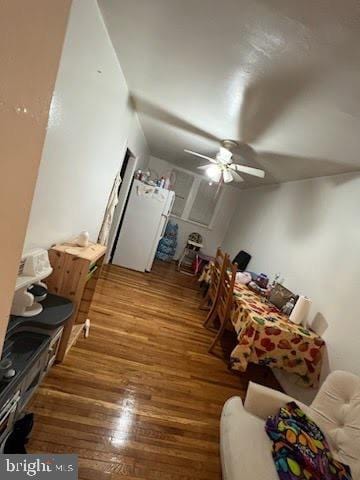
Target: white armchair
{"points": [[246, 449]]}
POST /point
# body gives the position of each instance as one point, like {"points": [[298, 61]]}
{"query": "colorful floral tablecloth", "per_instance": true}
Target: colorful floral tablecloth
{"points": [[267, 337]]}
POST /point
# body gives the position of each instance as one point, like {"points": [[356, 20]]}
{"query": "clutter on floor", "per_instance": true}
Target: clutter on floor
{"points": [[167, 246], [19, 437]]}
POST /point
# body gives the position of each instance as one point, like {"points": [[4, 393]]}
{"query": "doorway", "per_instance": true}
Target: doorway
{"points": [[127, 175]]}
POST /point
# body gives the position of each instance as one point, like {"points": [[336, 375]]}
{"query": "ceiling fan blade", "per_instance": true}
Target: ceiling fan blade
{"points": [[281, 167], [236, 176], [145, 107], [266, 100], [204, 167], [212, 160], [256, 172], [227, 175]]}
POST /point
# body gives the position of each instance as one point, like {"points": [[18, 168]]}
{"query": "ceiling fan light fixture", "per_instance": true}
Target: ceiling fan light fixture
{"points": [[222, 169], [214, 173], [224, 156], [227, 176]]}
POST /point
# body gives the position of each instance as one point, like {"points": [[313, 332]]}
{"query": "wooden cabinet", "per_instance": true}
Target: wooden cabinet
{"points": [[75, 274]]}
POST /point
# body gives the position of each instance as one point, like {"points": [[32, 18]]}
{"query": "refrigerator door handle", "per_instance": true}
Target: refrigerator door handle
{"points": [[172, 204], [164, 227]]}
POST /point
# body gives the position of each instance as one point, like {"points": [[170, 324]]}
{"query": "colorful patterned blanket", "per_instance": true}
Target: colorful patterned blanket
{"points": [[300, 450]]}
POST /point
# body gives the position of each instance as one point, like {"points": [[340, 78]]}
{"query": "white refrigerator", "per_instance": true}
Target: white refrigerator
{"points": [[143, 225]]}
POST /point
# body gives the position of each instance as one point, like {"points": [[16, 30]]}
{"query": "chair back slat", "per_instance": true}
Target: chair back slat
{"points": [[217, 274], [226, 291], [224, 299]]}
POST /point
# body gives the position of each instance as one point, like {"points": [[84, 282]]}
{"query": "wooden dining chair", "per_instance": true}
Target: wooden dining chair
{"points": [[217, 280], [217, 274], [222, 308]]}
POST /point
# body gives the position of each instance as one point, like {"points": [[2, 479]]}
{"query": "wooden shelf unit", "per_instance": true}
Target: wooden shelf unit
{"points": [[74, 335], [75, 274]]}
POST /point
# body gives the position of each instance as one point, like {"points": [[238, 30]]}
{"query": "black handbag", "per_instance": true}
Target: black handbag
{"points": [[242, 259]]}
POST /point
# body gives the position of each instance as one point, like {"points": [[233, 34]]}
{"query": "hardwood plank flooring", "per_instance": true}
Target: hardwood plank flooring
{"points": [[141, 398]]}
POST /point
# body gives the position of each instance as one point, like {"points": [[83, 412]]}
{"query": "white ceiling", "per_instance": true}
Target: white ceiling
{"points": [[280, 75]]}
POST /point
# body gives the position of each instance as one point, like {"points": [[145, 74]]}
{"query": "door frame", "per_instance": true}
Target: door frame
{"points": [[125, 187]]}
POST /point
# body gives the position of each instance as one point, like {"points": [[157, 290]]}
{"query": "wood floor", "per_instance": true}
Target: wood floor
{"points": [[141, 398]]}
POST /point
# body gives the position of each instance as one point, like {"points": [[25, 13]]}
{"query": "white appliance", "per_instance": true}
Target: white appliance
{"points": [[143, 226], [34, 267]]}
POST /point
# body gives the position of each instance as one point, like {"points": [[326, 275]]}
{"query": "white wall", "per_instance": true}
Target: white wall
{"points": [[212, 238], [90, 126], [310, 232]]}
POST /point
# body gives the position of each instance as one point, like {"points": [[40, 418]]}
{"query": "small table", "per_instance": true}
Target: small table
{"points": [[267, 337]]}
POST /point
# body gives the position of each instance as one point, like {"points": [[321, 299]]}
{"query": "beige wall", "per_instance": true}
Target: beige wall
{"points": [[31, 38]]}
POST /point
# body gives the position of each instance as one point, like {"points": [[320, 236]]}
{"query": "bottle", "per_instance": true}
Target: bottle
{"points": [[146, 176], [274, 282], [288, 307]]}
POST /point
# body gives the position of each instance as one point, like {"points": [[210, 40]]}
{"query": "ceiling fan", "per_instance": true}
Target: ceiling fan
{"points": [[221, 169], [265, 99]]}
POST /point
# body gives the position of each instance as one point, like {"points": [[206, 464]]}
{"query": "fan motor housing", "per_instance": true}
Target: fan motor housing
{"points": [[229, 144]]}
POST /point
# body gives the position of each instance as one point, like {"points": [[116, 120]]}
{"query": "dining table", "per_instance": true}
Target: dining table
{"points": [[266, 336]]}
